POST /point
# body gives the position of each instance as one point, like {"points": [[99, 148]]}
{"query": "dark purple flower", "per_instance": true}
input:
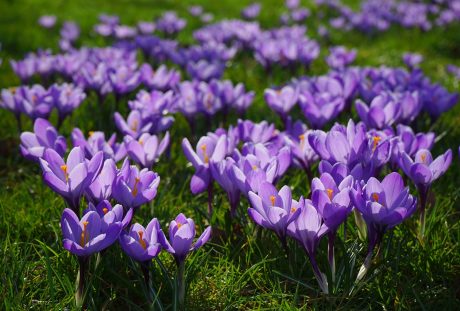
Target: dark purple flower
{"points": [[117, 212], [143, 244], [70, 179], [34, 144], [134, 187], [181, 235], [92, 233]]}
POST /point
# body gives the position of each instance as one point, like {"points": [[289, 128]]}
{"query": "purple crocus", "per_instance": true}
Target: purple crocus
{"points": [[308, 229], [340, 57], [251, 11], [101, 188], [47, 21], [96, 142], [34, 144], [133, 187], [146, 150], [383, 206], [34, 101], [208, 149], [71, 178], [274, 210], [181, 235], [282, 101], [412, 60], [423, 171], [134, 125], [117, 212], [143, 244], [91, 234], [382, 112], [67, 98], [332, 201], [222, 173]]}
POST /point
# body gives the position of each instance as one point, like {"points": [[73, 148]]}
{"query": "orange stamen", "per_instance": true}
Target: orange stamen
{"points": [[84, 237], [105, 210], [141, 240], [293, 209], [376, 140], [64, 169], [135, 190], [272, 199], [179, 225], [205, 155], [375, 197], [423, 157], [329, 193]]}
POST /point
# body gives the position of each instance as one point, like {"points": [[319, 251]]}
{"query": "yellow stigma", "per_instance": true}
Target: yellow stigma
{"points": [[179, 225], [272, 199], [254, 167], [34, 98], [375, 197], [135, 125], [423, 156], [141, 240], [84, 236], [141, 142], [329, 193], [293, 209], [302, 141], [105, 210], [134, 191], [90, 133], [376, 140], [64, 169], [205, 154]]}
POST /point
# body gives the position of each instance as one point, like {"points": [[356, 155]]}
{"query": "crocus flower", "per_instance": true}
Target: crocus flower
{"points": [[436, 100], [308, 229], [117, 211], [382, 112], [161, 79], [222, 172], [67, 98], [281, 101], [409, 142], [47, 21], [143, 244], [255, 132], [251, 11], [412, 60], [101, 188], [274, 210], [340, 57], [71, 178], [35, 101], [170, 23], [134, 125], [92, 233], [383, 205], [133, 187], [208, 149], [181, 235], [96, 142], [34, 144], [146, 150], [70, 31]]}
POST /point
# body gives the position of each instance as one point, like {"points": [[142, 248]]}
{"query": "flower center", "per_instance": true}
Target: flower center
{"points": [[272, 199], [254, 167], [64, 170], [329, 193], [105, 210], [293, 209], [179, 225], [205, 154], [135, 125], [302, 141], [141, 240], [376, 140], [375, 197], [84, 236], [423, 156], [136, 183], [90, 133]]}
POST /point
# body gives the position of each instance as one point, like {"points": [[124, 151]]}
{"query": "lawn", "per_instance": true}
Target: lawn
{"points": [[242, 267]]}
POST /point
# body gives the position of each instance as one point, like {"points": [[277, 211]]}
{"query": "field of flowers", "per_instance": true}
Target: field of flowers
{"points": [[229, 155]]}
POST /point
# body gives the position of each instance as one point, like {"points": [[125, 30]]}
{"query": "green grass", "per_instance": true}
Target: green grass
{"points": [[243, 267]]}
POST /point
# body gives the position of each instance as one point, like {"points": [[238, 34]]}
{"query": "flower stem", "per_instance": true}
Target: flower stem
{"points": [[210, 188], [80, 293], [322, 281], [331, 253], [180, 286], [423, 201], [145, 268]]}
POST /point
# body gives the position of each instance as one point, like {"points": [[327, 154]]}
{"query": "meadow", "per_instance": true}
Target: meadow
{"points": [[243, 266]]}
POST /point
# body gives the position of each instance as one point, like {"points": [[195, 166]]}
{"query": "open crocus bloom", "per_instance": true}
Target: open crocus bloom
{"points": [[70, 179], [143, 244], [181, 235], [134, 187], [281, 101], [101, 188], [274, 210], [146, 150], [332, 200], [91, 234], [33, 144]]}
